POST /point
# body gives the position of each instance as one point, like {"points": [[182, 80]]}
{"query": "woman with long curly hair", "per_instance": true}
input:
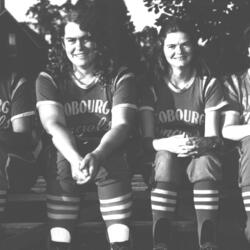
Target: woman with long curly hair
{"points": [[88, 110], [180, 111]]}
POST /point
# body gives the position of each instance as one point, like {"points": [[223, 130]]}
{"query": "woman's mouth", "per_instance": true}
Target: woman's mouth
{"points": [[81, 54]]}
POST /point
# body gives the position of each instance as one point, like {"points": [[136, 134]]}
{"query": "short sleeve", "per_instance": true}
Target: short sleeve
{"points": [[22, 101], [214, 95], [147, 98], [147, 95], [231, 86], [46, 90], [125, 93]]}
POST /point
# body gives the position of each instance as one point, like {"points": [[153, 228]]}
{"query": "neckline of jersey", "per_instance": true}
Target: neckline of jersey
{"points": [[84, 87], [174, 88]]}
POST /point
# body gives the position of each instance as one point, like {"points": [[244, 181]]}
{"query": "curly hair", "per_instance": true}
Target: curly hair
{"points": [[171, 25], [246, 45], [246, 36], [91, 18]]}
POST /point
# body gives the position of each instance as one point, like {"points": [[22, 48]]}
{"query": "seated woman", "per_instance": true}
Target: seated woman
{"points": [[180, 109], [88, 110], [17, 110], [236, 125]]}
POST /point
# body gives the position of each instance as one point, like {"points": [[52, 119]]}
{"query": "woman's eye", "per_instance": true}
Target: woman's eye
{"points": [[71, 40], [171, 46]]}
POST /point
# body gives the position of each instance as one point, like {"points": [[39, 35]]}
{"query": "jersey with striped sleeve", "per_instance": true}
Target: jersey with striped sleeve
{"points": [[88, 111], [182, 111], [237, 92], [15, 100]]}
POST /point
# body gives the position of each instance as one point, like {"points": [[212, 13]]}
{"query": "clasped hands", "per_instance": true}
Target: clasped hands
{"points": [[189, 146], [86, 168]]}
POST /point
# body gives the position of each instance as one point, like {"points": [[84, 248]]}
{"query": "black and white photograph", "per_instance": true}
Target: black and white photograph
{"points": [[125, 125]]}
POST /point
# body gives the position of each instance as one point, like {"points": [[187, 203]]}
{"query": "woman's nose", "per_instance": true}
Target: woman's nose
{"points": [[178, 48], [79, 43]]}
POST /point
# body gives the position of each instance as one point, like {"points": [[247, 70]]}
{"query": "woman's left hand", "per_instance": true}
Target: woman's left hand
{"points": [[89, 166], [204, 144]]}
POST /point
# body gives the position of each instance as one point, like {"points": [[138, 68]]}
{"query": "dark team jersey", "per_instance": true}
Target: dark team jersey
{"points": [[88, 112], [237, 92], [15, 100], [182, 111]]}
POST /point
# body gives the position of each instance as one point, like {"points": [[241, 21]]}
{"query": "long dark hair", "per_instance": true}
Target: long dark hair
{"points": [[91, 18], [186, 26], [246, 44]]}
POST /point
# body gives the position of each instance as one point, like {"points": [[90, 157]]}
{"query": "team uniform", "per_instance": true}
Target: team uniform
{"points": [[237, 90], [88, 115], [15, 102], [183, 112]]}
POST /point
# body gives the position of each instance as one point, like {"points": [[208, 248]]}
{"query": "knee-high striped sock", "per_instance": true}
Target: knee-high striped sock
{"points": [[206, 203], [3, 198], [116, 209], [246, 200], [63, 211], [163, 202]]}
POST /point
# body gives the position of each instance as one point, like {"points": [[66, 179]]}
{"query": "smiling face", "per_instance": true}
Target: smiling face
{"points": [[79, 47], [178, 49]]}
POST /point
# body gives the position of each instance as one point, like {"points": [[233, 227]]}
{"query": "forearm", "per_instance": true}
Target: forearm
{"points": [[112, 140], [236, 132], [64, 141], [160, 144], [151, 144]]}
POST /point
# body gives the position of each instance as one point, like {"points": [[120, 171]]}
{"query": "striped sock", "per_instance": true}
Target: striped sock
{"points": [[3, 200], [206, 203], [246, 200], [163, 203], [163, 200], [62, 210], [116, 210]]}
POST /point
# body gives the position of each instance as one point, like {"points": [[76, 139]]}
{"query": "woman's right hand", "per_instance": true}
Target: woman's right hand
{"points": [[81, 177], [177, 144]]}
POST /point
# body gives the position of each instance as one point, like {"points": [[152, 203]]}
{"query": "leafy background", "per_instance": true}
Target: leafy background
{"points": [[219, 23]]}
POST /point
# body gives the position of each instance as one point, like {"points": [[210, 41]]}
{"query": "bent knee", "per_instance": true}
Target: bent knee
{"points": [[164, 159], [166, 167], [206, 167], [245, 147]]}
